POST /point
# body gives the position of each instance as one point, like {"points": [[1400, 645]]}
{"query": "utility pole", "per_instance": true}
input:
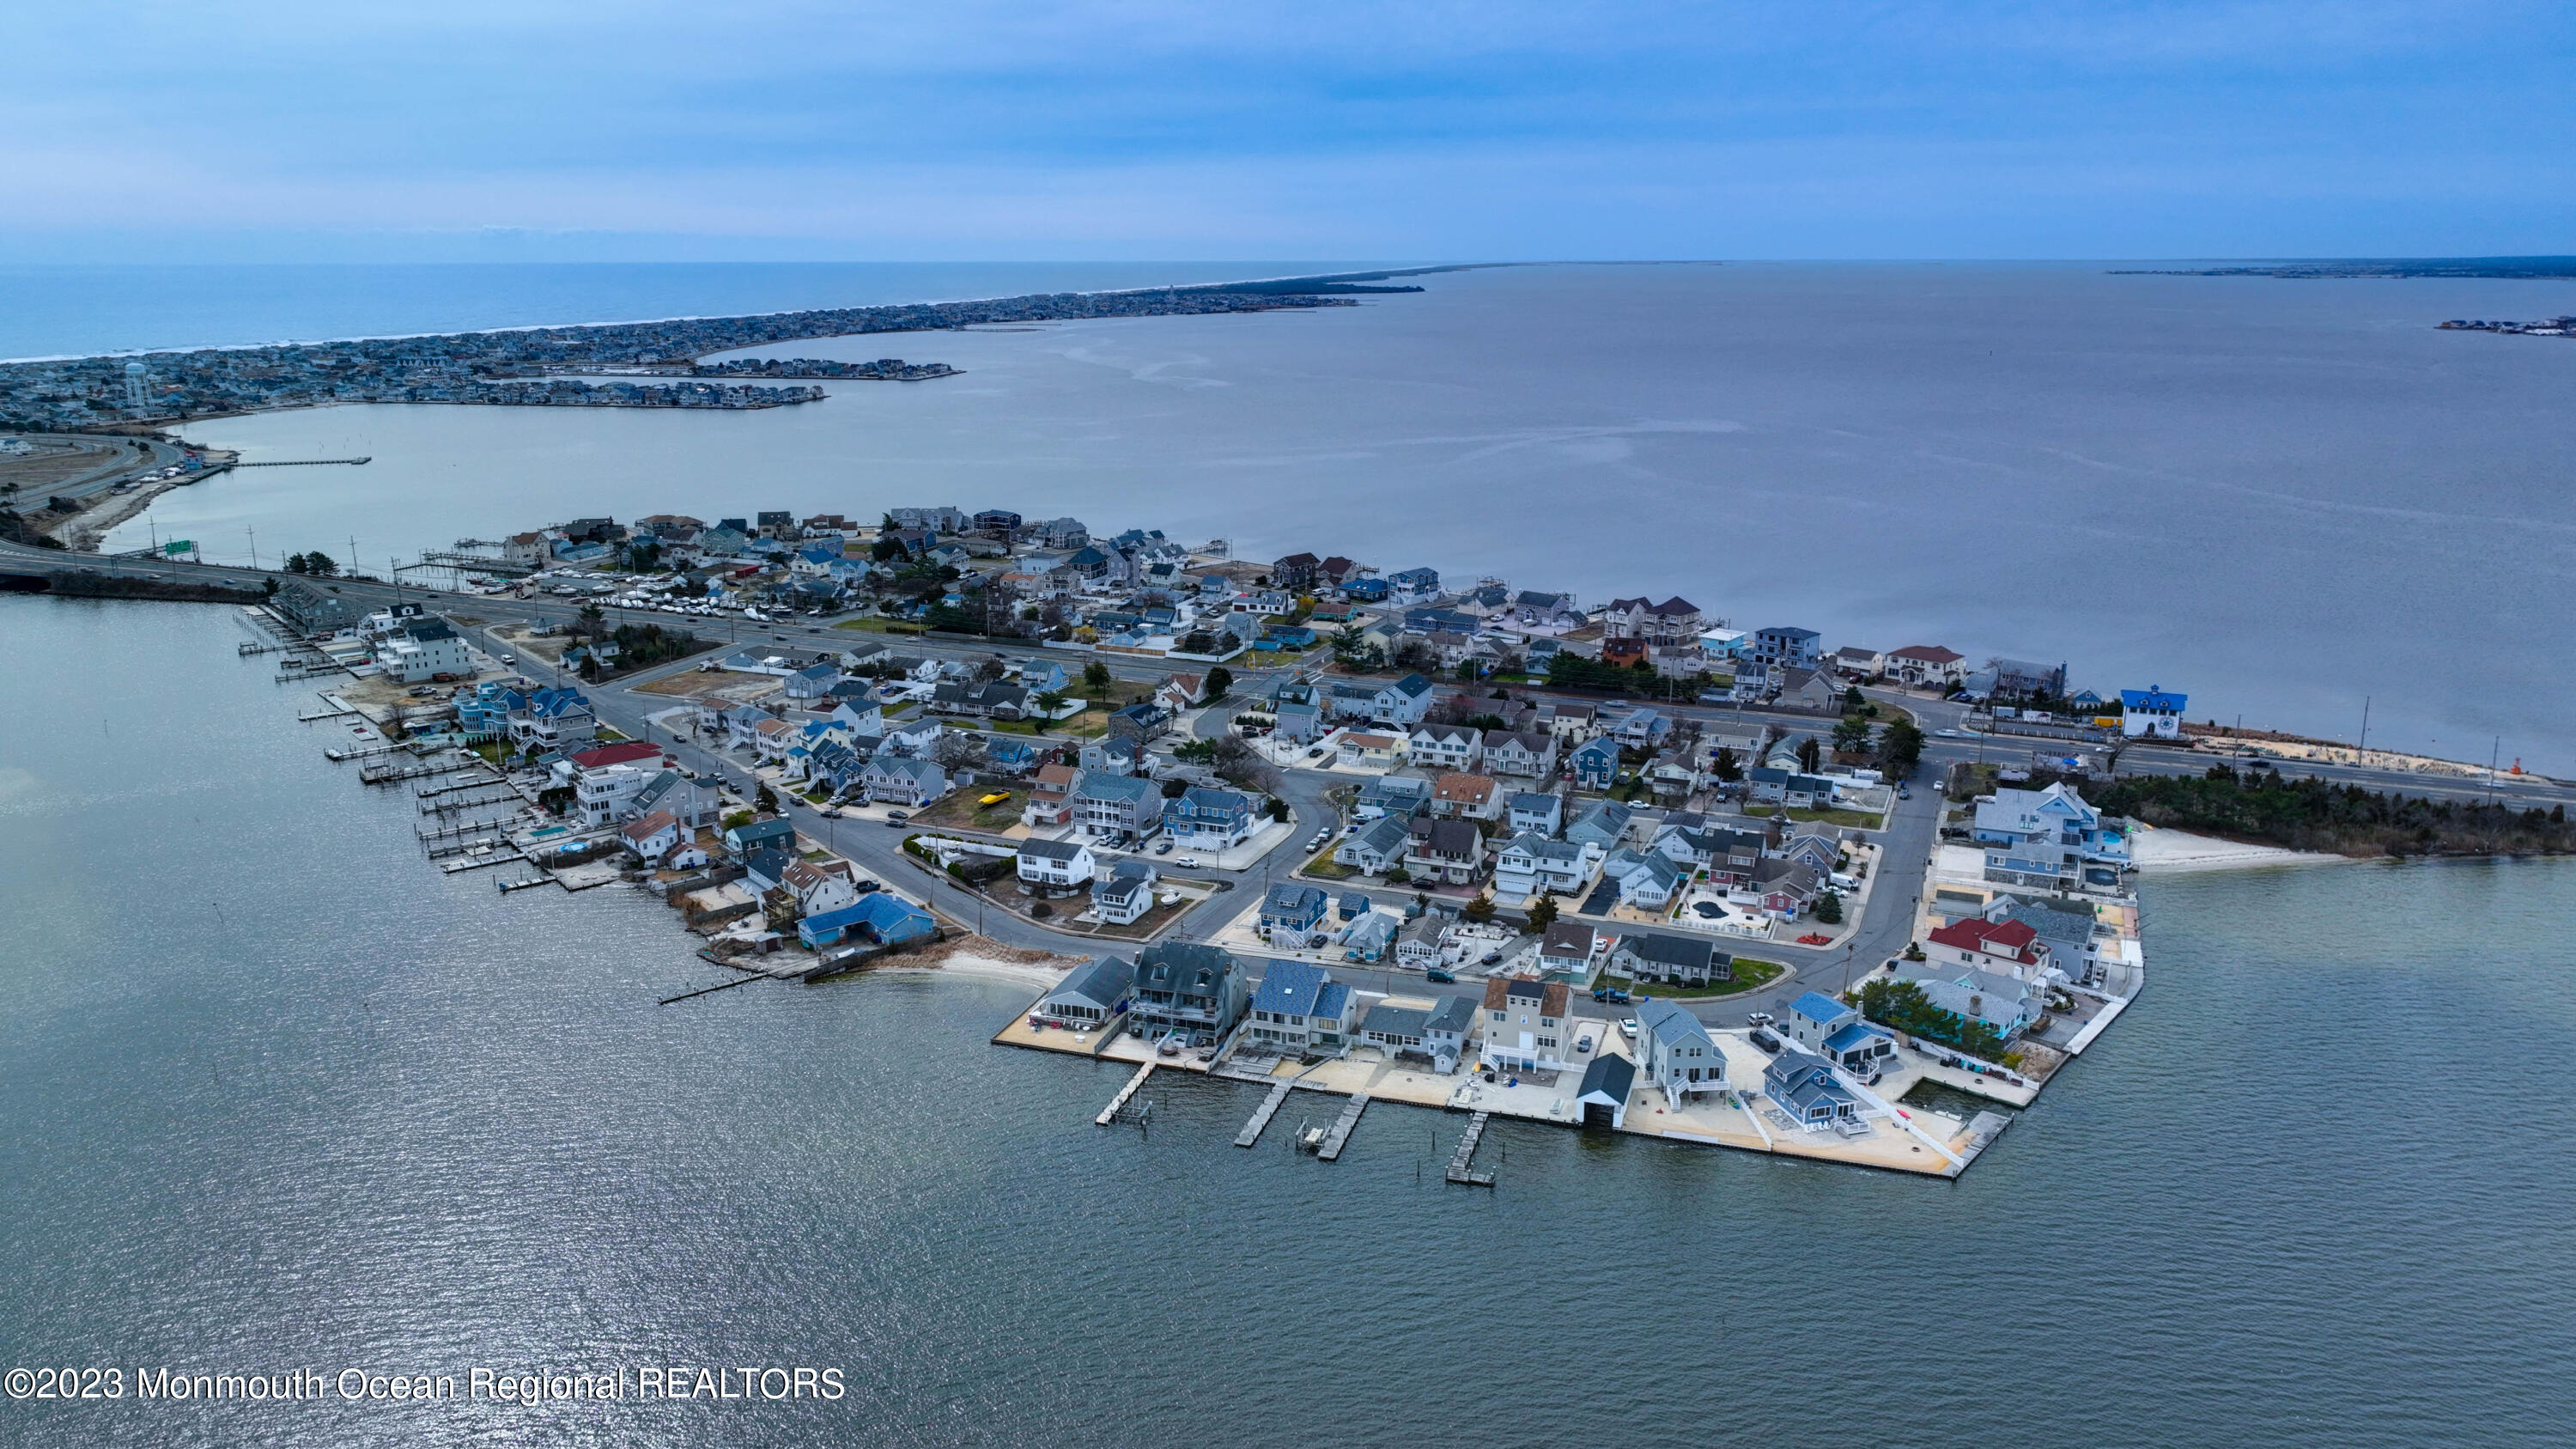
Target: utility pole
{"points": [[2365, 729], [254, 544]]}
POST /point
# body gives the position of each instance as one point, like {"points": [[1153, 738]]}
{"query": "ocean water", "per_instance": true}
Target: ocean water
{"points": [[2291, 500], [279, 1095]]}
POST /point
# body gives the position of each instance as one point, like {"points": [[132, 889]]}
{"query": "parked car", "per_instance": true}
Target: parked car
{"points": [[1190, 860], [1954, 832], [1628, 1028], [1766, 1041], [896, 817], [1162, 847], [1616, 997], [1759, 1018], [1441, 975], [1904, 792]]}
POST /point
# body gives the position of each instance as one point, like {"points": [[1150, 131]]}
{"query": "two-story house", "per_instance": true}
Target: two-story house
{"points": [[1292, 917], [1058, 864], [2050, 838], [1672, 958], [1530, 864], [1444, 852], [1445, 747], [1466, 797], [1784, 646], [895, 780], [1300, 1011], [1209, 819], [1187, 990], [1530, 755], [1840, 1035]]}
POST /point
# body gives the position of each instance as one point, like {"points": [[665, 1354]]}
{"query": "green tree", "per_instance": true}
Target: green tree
{"points": [[1049, 702], [1829, 908], [1096, 678], [1542, 912], [1900, 746], [1810, 754], [1854, 701], [765, 800], [1479, 910], [1726, 766], [1219, 680], [1852, 733]]}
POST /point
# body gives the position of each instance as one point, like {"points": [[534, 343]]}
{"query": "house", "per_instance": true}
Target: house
{"points": [[1784, 646], [651, 837], [1378, 847], [2021, 679], [1839, 1034], [1818, 853], [1391, 795], [1368, 937], [2007, 1004], [1785, 887], [2066, 929], [1642, 729], [1179, 693], [685, 798], [1142, 722], [2051, 838], [1369, 750], [895, 780], [1670, 622], [1928, 665], [1646, 880], [1209, 819], [1772, 785], [1601, 827], [1531, 864], [1292, 916], [1089, 996], [1403, 702], [1414, 586], [877, 918], [751, 835], [1192, 991], [988, 699], [765, 869], [1446, 852], [1531, 814], [1113, 756], [420, 649], [1468, 797], [1676, 1054], [1299, 722], [1063, 864], [2006, 948], [820, 885], [553, 720], [1566, 947], [1445, 747], [1854, 662], [1300, 1011], [1509, 752], [2150, 713], [1118, 809], [1435, 1035], [1126, 895], [1808, 689], [1297, 573], [1418, 944], [1674, 959], [1595, 763], [1603, 1095], [1804, 1086], [1526, 1027]]}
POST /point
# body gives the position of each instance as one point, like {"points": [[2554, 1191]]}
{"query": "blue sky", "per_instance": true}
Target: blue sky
{"points": [[788, 130]]}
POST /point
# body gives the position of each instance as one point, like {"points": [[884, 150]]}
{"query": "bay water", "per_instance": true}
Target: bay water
{"points": [[280, 1096]]}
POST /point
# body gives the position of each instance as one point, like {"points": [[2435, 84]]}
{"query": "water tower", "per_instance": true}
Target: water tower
{"points": [[134, 388]]}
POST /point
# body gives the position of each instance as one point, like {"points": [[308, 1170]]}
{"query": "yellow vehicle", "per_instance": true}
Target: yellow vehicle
{"points": [[996, 798]]}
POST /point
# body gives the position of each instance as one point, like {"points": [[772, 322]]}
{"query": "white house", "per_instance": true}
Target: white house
{"points": [[2150, 713], [1062, 864], [1676, 1053]]}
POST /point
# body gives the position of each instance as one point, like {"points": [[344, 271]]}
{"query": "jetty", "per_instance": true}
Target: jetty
{"points": [[1262, 1114], [1340, 1132], [1118, 1103]]}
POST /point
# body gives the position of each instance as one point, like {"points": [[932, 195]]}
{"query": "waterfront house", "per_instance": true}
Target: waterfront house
{"points": [[685, 798], [1467, 797], [1676, 1054], [1602, 1097], [1061, 864], [1595, 763], [2022, 679], [1195, 992], [1126, 895], [1297, 572], [1209, 819], [1292, 916], [2006, 948], [1602, 826], [765, 868], [553, 720], [2050, 838], [1670, 958], [1927, 665], [1837, 1033], [1531, 864], [1300, 1011], [2151, 713], [2005, 1003], [1672, 621], [896, 780], [1526, 1027], [751, 835], [1379, 846], [1534, 814], [1445, 747], [1444, 852], [878, 918], [651, 837], [1434, 1035], [604, 793], [820, 885], [1414, 586], [1804, 1086], [1089, 996], [2067, 930], [1116, 809], [1566, 947], [420, 649]]}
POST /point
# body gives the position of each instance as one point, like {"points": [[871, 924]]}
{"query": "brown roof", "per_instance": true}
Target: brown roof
{"points": [[1463, 789], [1551, 996], [1928, 653], [650, 826]]}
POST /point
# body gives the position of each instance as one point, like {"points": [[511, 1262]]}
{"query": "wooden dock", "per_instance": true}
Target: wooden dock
{"points": [[1262, 1114], [459, 865], [1341, 1131], [1466, 1154], [432, 792], [396, 774], [1109, 1113]]}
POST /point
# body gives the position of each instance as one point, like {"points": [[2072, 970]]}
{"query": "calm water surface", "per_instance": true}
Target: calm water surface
{"points": [[2282, 498], [278, 1095]]}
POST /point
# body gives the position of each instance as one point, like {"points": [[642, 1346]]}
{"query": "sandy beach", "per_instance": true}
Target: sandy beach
{"points": [[975, 956], [2159, 852]]}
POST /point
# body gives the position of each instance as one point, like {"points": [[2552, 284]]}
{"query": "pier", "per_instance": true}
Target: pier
{"points": [[1341, 1130], [396, 774], [1459, 1160], [1262, 1114], [305, 463], [1109, 1113]]}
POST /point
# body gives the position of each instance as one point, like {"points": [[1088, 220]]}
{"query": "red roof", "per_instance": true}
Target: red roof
{"points": [[626, 753], [1994, 938]]}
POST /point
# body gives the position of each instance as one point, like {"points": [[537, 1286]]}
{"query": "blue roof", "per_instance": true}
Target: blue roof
{"points": [[1333, 1000], [891, 917], [1818, 1007], [1296, 900], [1853, 1035], [2152, 698], [1289, 987]]}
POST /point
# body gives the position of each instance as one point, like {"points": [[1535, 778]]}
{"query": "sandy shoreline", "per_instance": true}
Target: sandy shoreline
{"points": [[988, 960], [2161, 852]]}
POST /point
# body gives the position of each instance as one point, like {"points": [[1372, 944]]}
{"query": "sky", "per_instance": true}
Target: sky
{"points": [[1148, 129]]}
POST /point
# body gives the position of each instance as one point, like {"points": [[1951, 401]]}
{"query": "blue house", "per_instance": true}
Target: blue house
{"points": [[1288, 636], [876, 919], [1043, 676], [1595, 763], [1292, 915], [1415, 585], [1367, 591], [2151, 713]]}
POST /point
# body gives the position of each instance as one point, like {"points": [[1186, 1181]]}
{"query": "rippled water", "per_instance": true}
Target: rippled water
{"points": [[280, 1095]]}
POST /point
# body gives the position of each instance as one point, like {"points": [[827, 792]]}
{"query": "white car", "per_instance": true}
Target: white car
{"points": [[1187, 860], [1628, 1028]]}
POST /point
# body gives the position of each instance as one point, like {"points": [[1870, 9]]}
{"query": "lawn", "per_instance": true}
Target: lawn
{"points": [[1324, 867], [1751, 973], [1853, 818], [878, 624], [959, 810]]}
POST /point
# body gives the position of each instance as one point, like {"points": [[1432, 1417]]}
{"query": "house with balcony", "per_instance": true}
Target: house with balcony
{"points": [[1292, 917], [2052, 838], [1299, 1010], [1196, 992], [1673, 621], [1840, 1035], [1928, 666], [1466, 797], [1526, 1026], [1676, 1055], [1674, 959], [1784, 646], [1444, 852], [894, 780], [1209, 819], [1445, 747], [1117, 810], [1805, 1086], [1531, 864], [1435, 1036], [1056, 864]]}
